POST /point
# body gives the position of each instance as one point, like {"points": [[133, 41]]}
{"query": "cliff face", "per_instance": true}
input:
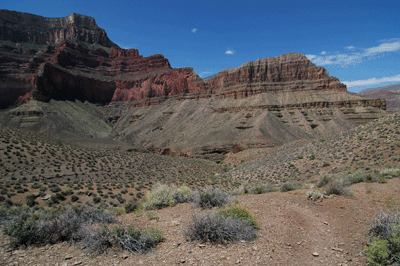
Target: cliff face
{"points": [[285, 73], [391, 94], [23, 27], [156, 108]]}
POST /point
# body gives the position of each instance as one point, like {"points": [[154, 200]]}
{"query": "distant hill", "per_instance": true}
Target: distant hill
{"points": [[389, 93]]}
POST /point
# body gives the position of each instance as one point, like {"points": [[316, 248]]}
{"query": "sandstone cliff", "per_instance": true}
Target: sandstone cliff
{"points": [[23, 27]]}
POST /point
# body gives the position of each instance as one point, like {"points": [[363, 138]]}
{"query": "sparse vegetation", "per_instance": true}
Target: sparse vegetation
{"points": [[206, 226]]}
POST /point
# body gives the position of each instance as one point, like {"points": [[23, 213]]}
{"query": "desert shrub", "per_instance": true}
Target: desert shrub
{"points": [[26, 227], [207, 226], [68, 191], [132, 239], [238, 213], [96, 240], [356, 178], [258, 188], [74, 198], [183, 194], [55, 189], [326, 164], [140, 240], [382, 180], [96, 199], [338, 186], [159, 197], [30, 200], [385, 246], [315, 195], [390, 172], [323, 181], [288, 186], [131, 206], [212, 197], [163, 196], [59, 196]]}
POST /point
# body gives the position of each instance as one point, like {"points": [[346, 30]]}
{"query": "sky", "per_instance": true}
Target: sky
{"points": [[357, 41]]}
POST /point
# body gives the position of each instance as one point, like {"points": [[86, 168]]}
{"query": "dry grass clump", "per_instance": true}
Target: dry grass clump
{"points": [[207, 226]]}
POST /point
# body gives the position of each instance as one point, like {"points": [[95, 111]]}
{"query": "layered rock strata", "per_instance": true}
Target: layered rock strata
{"points": [[63, 66]]}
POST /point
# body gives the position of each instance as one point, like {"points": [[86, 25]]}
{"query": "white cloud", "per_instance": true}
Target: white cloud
{"points": [[371, 81], [355, 57], [351, 47], [229, 51], [205, 73], [384, 47], [194, 30]]}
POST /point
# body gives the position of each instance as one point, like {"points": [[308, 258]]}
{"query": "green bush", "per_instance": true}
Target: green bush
{"points": [[240, 213], [385, 246]]}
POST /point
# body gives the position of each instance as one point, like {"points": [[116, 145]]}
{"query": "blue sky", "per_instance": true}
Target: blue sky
{"points": [[356, 41]]}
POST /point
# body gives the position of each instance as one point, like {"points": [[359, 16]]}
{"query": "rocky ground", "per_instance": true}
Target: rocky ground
{"points": [[293, 231]]}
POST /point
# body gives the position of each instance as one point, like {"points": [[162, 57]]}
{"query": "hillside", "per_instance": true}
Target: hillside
{"points": [[391, 94], [364, 148]]}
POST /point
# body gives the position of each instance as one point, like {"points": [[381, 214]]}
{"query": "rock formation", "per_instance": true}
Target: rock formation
{"points": [[153, 107], [20, 27], [285, 73], [391, 94]]}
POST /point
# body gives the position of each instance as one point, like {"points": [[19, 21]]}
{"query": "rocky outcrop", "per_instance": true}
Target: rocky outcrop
{"points": [[391, 94], [285, 73], [23, 27]]}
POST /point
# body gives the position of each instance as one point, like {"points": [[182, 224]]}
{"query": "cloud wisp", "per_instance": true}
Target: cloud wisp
{"points": [[205, 74], [194, 30], [229, 51], [355, 55], [372, 81]]}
